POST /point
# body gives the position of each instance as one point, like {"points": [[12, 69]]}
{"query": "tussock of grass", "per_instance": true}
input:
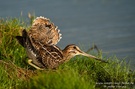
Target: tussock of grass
{"points": [[79, 73], [58, 79]]}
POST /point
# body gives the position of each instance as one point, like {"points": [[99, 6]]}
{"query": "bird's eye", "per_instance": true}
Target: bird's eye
{"points": [[74, 47]]}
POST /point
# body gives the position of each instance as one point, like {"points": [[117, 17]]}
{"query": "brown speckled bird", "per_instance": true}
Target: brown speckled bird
{"points": [[40, 44]]}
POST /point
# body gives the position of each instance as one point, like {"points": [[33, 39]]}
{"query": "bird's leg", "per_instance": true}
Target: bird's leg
{"points": [[30, 63]]}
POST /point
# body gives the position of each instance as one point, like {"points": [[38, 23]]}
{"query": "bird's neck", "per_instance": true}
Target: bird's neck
{"points": [[67, 56]]}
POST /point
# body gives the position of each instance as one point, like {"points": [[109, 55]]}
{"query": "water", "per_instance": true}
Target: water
{"points": [[110, 24]]}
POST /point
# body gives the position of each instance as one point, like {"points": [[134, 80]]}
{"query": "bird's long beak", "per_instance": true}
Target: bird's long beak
{"points": [[91, 56]]}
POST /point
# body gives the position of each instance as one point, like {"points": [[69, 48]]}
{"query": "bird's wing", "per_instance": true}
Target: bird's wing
{"points": [[44, 31], [49, 55]]}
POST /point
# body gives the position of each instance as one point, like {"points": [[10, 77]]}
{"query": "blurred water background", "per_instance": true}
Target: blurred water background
{"points": [[110, 24]]}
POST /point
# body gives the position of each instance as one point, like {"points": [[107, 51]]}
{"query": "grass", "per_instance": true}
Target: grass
{"points": [[79, 73]]}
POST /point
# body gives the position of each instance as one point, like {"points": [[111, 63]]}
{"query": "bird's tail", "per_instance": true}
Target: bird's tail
{"points": [[24, 39]]}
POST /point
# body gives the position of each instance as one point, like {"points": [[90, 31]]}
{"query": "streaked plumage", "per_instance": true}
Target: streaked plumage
{"points": [[40, 44]]}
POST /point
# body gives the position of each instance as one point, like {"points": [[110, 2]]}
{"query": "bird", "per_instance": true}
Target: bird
{"points": [[40, 43]]}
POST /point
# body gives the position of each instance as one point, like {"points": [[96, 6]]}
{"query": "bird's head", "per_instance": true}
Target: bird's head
{"points": [[73, 50]]}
